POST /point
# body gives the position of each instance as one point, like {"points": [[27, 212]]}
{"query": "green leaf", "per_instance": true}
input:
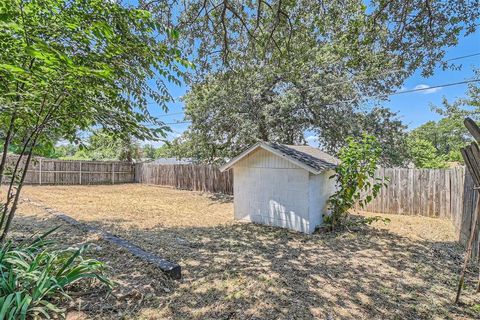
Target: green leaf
{"points": [[12, 68]]}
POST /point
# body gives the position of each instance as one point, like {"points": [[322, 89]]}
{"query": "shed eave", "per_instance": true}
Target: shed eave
{"points": [[230, 163], [264, 146]]}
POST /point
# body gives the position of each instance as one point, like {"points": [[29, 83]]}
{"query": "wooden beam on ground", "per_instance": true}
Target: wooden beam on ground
{"points": [[171, 269]]}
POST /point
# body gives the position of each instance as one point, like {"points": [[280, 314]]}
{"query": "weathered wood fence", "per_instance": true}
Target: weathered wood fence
{"points": [[438, 193], [206, 178], [427, 192], [69, 172]]}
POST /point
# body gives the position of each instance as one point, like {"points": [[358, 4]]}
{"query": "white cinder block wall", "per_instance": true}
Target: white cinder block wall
{"points": [[271, 190]]}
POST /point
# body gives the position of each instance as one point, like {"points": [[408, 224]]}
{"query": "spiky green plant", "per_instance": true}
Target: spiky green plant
{"points": [[35, 276]]}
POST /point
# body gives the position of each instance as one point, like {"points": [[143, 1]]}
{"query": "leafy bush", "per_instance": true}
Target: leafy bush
{"points": [[424, 155], [354, 179], [34, 277]]}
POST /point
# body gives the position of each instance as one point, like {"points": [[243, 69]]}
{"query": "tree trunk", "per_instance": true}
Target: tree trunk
{"points": [[13, 209], [6, 145]]}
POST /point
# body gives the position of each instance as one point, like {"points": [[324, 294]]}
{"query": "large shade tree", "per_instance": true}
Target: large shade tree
{"points": [[225, 34], [227, 117], [66, 66], [272, 69]]}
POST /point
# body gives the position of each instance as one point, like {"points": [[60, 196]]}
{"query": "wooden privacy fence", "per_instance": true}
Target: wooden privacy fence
{"points": [[426, 192], [438, 193], [67, 172], [206, 178]]}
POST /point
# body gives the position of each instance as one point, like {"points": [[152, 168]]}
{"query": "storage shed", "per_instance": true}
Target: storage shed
{"points": [[282, 185]]}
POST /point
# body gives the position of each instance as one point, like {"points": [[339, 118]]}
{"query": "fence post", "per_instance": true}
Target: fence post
{"points": [[113, 173], [40, 171], [138, 172], [80, 174], [135, 172]]}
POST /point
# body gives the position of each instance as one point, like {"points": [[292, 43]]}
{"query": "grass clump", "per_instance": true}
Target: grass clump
{"points": [[35, 277]]}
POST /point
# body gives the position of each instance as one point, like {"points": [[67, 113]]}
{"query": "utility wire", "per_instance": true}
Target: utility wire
{"points": [[380, 95], [364, 77], [463, 57], [435, 87], [368, 77], [405, 91]]}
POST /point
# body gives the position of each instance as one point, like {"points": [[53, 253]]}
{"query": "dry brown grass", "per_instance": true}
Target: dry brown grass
{"points": [[404, 270], [135, 205], [136, 281]]}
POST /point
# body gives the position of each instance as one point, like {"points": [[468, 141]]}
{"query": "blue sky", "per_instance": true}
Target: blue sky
{"points": [[413, 108]]}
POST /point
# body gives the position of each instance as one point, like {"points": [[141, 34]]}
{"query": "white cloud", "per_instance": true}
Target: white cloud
{"points": [[426, 86]]}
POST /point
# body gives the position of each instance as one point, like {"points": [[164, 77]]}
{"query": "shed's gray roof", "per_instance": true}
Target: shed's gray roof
{"points": [[310, 158]]}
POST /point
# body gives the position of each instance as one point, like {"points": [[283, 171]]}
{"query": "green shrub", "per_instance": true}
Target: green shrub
{"points": [[354, 179], [34, 277]]}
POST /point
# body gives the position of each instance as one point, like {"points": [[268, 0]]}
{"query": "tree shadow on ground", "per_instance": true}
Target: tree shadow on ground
{"points": [[248, 271], [136, 282]]}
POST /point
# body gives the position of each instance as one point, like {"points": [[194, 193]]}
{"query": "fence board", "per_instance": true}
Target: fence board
{"points": [[69, 172], [428, 192], [206, 178]]}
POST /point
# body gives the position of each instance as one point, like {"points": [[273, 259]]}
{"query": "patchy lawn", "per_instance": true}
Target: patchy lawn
{"points": [[136, 281], [404, 270]]}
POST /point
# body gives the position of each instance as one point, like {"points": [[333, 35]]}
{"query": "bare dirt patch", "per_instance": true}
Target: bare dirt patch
{"points": [[404, 270]]}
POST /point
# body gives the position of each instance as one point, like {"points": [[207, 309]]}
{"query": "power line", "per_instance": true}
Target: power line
{"points": [[406, 91], [366, 97], [360, 77], [368, 77], [462, 57], [435, 87], [376, 96], [170, 114], [382, 73]]}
